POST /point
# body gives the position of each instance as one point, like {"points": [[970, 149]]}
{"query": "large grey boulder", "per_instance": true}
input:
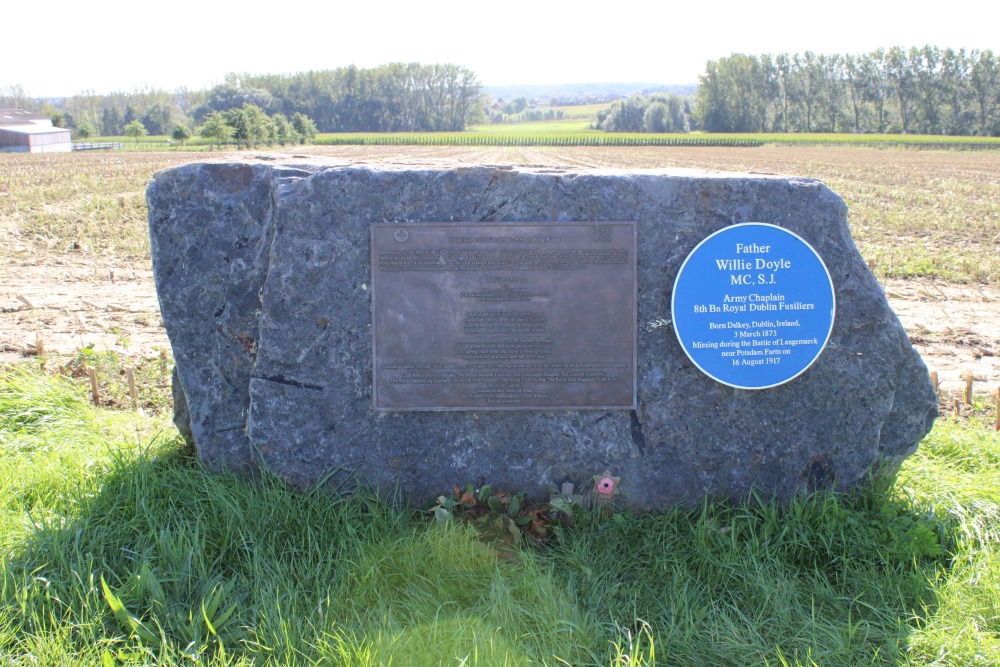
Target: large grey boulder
{"points": [[262, 270]]}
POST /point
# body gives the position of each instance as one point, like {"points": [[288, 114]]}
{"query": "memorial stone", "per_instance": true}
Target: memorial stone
{"points": [[417, 327]]}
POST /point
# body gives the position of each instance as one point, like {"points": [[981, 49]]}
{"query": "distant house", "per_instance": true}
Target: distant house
{"points": [[25, 132]]}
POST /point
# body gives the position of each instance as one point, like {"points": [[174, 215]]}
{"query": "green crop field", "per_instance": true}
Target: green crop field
{"points": [[867, 139], [577, 132]]}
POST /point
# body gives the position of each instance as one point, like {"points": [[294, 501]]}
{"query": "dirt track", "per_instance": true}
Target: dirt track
{"points": [[67, 302]]}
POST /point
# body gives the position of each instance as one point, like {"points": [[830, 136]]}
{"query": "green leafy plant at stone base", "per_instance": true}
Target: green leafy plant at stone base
{"points": [[506, 513], [512, 517]]}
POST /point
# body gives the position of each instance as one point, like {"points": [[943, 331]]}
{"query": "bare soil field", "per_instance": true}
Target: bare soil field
{"points": [[67, 286]]}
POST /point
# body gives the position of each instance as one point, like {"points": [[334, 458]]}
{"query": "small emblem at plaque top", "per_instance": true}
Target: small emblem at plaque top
{"points": [[401, 235], [602, 233]]}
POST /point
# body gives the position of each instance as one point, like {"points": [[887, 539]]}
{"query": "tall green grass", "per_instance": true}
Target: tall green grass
{"points": [[116, 549]]}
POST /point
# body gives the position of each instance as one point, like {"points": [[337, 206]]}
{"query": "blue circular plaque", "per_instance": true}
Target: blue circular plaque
{"points": [[753, 306]]}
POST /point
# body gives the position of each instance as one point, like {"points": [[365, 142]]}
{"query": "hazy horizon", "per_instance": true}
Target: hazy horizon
{"points": [[123, 46]]}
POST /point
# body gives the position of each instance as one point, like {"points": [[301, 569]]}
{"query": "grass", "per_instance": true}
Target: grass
{"points": [[549, 127], [117, 549], [588, 111]]}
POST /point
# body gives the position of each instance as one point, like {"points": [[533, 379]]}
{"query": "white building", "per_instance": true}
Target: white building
{"points": [[25, 132]]}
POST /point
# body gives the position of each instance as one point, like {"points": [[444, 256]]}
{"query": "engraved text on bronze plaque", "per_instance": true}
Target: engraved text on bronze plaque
{"points": [[504, 316]]}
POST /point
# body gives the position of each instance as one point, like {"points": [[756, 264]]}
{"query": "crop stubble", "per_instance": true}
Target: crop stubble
{"points": [[74, 248]]}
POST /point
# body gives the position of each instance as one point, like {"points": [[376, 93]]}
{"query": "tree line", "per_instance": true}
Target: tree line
{"points": [[399, 97], [89, 114], [249, 126], [647, 113], [921, 90]]}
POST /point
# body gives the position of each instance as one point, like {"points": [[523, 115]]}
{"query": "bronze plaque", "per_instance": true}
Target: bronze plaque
{"points": [[485, 316]]}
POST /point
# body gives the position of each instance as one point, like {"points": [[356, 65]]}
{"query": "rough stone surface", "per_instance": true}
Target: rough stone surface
{"points": [[182, 418], [262, 271]]}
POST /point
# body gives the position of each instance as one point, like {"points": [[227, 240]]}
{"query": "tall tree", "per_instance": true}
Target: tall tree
{"points": [[901, 76], [712, 108], [926, 89], [856, 87], [304, 127], [216, 129], [832, 88], [13, 97], [251, 126], [741, 76], [136, 129], [956, 92], [158, 118], [766, 92], [879, 88], [284, 133], [112, 123], [180, 133], [984, 80], [787, 90], [809, 74], [925, 64]]}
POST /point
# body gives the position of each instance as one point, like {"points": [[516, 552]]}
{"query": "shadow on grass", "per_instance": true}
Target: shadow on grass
{"points": [[163, 561], [829, 579], [198, 564]]}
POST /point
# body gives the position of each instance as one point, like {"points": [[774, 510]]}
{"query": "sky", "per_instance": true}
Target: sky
{"points": [[60, 48]]}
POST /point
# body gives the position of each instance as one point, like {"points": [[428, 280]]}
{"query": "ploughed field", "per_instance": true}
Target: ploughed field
{"points": [[74, 252]]}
